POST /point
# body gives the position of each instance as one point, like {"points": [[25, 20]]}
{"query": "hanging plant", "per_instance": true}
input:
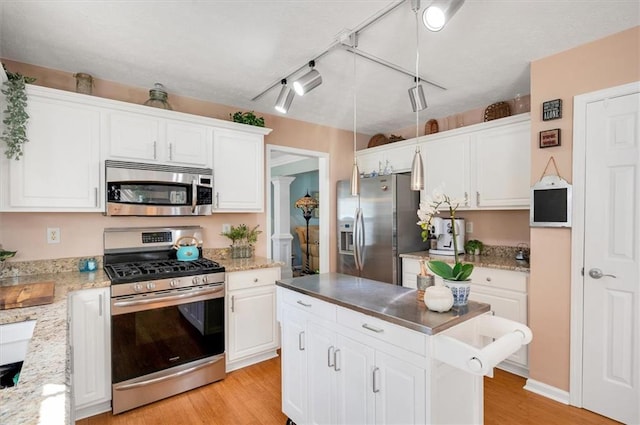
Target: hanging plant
{"points": [[15, 119]]}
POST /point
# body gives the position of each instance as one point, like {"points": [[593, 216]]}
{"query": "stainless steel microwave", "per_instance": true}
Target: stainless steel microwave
{"points": [[139, 189]]}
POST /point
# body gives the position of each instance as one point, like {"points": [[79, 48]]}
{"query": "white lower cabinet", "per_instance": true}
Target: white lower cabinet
{"points": [[90, 339], [252, 331], [333, 372], [506, 292]]}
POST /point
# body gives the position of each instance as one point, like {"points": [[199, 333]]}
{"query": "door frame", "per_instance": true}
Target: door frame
{"points": [[578, 230], [324, 201]]}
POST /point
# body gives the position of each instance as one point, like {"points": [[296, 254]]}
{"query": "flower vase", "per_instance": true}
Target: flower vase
{"points": [[460, 290], [438, 298]]}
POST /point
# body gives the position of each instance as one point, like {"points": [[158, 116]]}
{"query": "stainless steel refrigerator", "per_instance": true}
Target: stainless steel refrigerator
{"points": [[377, 226]]}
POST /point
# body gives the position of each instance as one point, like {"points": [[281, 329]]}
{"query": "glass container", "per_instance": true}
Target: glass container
{"points": [[158, 97]]}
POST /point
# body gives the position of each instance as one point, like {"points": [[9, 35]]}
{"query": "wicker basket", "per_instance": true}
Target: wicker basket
{"points": [[497, 110], [378, 140]]}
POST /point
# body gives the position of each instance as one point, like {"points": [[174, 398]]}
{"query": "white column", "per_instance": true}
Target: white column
{"points": [[281, 238]]}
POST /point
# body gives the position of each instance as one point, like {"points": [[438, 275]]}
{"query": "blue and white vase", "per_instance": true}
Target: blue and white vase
{"points": [[460, 290]]}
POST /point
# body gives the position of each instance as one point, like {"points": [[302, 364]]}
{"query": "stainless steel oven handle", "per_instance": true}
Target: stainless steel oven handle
{"points": [[168, 298], [164, 378]]}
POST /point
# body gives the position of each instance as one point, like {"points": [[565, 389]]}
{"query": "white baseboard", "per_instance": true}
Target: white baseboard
{"points": [[239, 364], [548, 391], [96, 409]]}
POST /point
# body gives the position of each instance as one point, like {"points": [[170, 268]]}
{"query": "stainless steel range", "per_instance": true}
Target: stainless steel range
{"points": [[167, 316]]}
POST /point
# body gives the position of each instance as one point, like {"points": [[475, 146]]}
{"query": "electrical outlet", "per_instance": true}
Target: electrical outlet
{"points": [[226, 228], [469, 227], [53, 235]]}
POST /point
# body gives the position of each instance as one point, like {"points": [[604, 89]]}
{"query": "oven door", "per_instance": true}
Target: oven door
{"points": [[164, 344]]}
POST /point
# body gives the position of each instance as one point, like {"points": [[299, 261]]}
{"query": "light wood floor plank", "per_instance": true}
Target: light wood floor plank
{"points": [[251, 396]]}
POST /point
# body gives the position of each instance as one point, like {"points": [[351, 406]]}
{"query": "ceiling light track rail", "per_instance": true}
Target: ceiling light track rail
{"points": [[339, 44]]}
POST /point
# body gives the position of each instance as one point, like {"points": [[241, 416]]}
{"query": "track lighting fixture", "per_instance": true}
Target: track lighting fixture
{"points": [[438, 13], [284, 98], [308, 81], [416, 95]]}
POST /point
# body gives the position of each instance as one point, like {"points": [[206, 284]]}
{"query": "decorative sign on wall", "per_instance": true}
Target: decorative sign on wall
{"points": [[552, 110], [549, 138]]}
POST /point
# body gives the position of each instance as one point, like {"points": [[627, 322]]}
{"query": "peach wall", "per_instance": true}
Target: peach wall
{"points": [[81, 233], [608, 62]]}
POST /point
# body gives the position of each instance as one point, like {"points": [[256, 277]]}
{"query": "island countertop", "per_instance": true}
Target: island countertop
{"points": [[392, 303]]}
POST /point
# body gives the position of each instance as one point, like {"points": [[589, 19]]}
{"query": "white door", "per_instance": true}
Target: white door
{"points": [[611, 317], [355, 396]]}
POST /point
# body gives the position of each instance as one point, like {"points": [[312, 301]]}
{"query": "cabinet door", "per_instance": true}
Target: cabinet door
{"points": [[238, 168], [294, 365], [60, 168], [134, 136], [188, 144], [252, 322], [446, 163], [354, 382], [400, 391], [410, 270], [321, 374], [90, 342], [502, 166]]}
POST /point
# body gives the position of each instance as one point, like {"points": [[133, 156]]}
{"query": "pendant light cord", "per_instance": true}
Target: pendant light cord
{"points": [[417, 74], [355, 104]]}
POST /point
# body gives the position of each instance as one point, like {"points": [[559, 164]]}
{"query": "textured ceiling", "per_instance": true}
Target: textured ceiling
{"points": [[230, 51]]}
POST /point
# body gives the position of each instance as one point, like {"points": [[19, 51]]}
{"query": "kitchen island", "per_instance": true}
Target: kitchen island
{"points": [[360, 351]]}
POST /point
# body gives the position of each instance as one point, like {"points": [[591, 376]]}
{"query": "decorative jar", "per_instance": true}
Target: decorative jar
{"points": [[438, 298], [158, 97]]}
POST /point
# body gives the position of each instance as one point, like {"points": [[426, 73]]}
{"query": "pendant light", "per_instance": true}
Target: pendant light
{"points": [[355, 172], [417, 169]]}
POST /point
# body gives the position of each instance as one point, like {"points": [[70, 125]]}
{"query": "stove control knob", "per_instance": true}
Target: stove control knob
{"points": [[137, 287], [174, 283], [151, 285], [204, 279], [195, 280]]}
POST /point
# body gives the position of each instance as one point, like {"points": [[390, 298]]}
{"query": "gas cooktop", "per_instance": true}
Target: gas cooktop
{"points": [[137, 271]]}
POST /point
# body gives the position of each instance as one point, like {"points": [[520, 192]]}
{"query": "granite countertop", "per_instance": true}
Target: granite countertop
{"points": [[43, 393], [392, 303], [490, 261]]}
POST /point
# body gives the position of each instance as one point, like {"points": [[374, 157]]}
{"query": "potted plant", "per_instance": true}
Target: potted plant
{"points": [[242, 240], [455, 277], [473, 247], [247, 118], [15, 119], [4, 255]]}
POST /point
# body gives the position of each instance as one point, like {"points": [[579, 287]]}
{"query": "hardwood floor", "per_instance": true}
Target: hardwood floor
{"points": [[252, 396]]}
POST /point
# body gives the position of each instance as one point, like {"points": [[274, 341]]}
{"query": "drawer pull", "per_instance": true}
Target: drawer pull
{"points": [[331, 357], [376, 385], [303, 304], [488, 279], [372, 328], [301, 341], [255, 280], [336, 357]]}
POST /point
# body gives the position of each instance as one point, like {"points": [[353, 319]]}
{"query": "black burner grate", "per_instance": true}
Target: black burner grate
{"points": [[159, 269]]}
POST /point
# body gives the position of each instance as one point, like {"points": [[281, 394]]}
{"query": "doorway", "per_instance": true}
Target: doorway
{"points": [[276, 156], [605, 310]]}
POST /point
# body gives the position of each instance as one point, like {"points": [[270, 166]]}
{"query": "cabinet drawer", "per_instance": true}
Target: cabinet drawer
{"points": [[252, 278], [309, 304], [503, 279], [397, 335]]}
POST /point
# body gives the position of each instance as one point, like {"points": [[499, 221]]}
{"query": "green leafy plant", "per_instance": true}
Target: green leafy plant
{"points": [[15, 116], [242, 233], [472, 246], [6, 254], [247, 118], [428, 209]]}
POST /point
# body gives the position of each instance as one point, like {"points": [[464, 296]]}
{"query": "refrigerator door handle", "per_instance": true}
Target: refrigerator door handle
{"points": [[356, 244], [359, 242]]}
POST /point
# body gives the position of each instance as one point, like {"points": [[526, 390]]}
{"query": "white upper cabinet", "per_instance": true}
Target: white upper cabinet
{"points": [[446, 165], [238, 171], [60, 168], [503, 166], [140, 137]]}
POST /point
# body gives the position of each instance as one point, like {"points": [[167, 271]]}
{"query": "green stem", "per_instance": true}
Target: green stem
{"points": [[453, 230]]}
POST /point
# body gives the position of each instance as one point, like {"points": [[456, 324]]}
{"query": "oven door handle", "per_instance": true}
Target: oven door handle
{"points": [[164, 378], [168, 298]]}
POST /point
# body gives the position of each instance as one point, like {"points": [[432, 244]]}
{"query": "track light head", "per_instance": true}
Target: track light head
{"points": [[438, 13], [418, 100], [308, 81], [283, 102]]}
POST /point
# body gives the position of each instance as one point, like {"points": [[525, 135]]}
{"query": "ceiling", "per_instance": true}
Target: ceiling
{"points": [[228, 52]]}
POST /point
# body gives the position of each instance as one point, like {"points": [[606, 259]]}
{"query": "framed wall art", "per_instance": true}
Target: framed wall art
{"points": [[550, 138]]}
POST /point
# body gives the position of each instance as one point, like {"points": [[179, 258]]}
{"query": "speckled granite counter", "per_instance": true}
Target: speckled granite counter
{"points": [[42, 395], [388, 302], [490, 261]]}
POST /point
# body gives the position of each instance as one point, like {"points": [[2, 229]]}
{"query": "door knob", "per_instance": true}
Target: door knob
{"points": [[597, 274]]}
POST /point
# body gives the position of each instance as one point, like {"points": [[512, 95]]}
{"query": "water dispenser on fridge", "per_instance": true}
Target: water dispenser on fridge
{"points": [[346, 238]]}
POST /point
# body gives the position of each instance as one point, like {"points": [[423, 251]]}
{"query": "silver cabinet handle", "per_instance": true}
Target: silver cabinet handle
{"points": [[233, 303], [372, 328], [597, 274], [331, 357], [335, 360], [170, 151], [488, 279], [95, 193], [466, 199], [303, 304], [100, 305], [376, 384], [255, 280], [301, 341], [155, 150], [477, 198], [217, 199]]}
